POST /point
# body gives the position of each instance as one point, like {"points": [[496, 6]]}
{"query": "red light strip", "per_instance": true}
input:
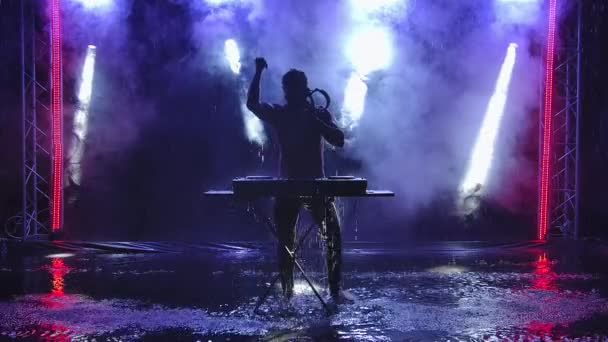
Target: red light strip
{"points": [[56, 113], [543, 214]]}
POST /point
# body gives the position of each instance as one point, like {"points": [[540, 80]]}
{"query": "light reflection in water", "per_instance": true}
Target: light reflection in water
{"points": [[536, 328], [56, 297], [544, 277], [58, 270]]}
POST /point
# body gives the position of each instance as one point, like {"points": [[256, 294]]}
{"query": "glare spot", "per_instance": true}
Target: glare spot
{"points": [[370, 49], [95, 4], [254, 129], [59, 255], [448, 269], [301, 287], [354, 100], [233, 56]]}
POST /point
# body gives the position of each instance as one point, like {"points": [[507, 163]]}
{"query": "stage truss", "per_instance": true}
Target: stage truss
{"points": [[41, 110], [559, 170]]}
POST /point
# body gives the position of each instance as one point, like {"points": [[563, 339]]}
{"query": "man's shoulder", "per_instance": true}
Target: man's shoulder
{"points": [[278, 107], [278, 111]]}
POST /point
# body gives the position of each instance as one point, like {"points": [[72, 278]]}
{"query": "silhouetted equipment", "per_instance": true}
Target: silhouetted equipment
{"points": [[248, 189]]}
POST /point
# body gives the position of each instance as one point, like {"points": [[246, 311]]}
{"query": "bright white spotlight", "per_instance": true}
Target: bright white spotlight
{"points": [[354, 101], [483, 151], [86, 85], [370, 49], [254, 129], [95, 4], [233, 56], [81, 117]]}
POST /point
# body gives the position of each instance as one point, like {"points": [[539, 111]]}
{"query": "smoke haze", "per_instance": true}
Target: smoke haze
{"points": [[165, 97]]}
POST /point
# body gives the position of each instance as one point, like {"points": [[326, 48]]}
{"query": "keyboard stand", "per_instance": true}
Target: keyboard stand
{"points": [[258, 216]]}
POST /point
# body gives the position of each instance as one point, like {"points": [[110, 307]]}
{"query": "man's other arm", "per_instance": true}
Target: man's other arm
{"points": [[330, 131]]}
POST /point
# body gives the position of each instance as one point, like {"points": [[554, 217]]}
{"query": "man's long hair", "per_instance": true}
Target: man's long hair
{"points": [[295, 86]]}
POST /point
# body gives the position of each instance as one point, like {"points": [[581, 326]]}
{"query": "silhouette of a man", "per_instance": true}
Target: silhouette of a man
{"points": [[300, 129]]}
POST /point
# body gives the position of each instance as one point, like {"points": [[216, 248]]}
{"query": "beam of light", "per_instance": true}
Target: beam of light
{"points": [[483, 151], [86, 86], [545, 155], [81, 117], [95, 4], [57, 116], [233, 56], [370, 49], [354, 101], [254, 129]]}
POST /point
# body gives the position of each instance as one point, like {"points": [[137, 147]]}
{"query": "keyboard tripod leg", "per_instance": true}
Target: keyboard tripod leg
{"points": [[262, 299], [327, 310]]}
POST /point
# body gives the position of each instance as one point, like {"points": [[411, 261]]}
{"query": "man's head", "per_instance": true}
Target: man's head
{"points": [[295, 87]]}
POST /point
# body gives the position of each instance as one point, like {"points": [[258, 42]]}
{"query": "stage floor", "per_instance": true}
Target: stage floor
{"points": [[178, 292]]}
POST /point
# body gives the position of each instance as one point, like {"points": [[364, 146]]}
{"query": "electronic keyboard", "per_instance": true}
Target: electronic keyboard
{"points": [[265, 186]]}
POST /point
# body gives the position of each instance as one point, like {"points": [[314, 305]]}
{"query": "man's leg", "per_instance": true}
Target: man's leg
{"points": [[326, 216], [285, 217]]}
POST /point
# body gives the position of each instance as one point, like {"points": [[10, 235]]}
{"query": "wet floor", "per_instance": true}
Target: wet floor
{"points": [[177, 292]]}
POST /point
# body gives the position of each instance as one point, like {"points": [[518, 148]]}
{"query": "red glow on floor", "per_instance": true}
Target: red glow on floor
{"points": [[544, 277], [58, 271], [56, 113], [54, 332], [543, 214], [56, 297], [540, 328]]}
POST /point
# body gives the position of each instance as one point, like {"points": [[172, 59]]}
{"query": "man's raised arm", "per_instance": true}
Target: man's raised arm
{"points": [[264, 111]]}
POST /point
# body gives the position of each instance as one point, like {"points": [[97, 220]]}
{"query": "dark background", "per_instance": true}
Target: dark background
{"points": [[158, 180]]}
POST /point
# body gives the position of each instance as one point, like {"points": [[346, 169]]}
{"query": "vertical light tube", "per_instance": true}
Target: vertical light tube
{"points": [[483, 151], [81, 117], [57, 117], [545, 153]]}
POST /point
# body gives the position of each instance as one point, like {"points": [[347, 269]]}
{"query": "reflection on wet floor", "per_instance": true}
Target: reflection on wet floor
{"points": [[457, 291]]}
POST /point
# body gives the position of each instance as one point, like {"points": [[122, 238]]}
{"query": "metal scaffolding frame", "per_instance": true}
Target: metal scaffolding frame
{"points": [[564, 170], [36, 125]]}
